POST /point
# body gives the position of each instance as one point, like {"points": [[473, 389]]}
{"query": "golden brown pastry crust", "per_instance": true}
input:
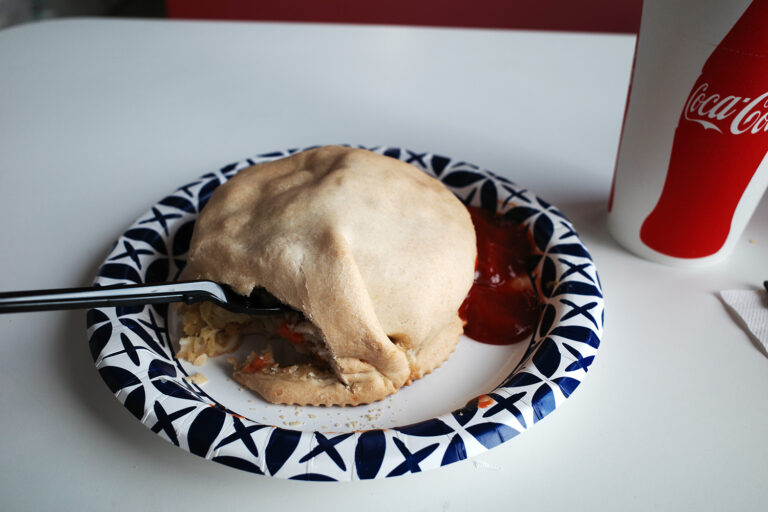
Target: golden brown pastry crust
{"points": [[378, 255]]}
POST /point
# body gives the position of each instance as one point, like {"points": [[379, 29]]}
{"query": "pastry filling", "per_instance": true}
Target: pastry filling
{"points": [[290, 343]]}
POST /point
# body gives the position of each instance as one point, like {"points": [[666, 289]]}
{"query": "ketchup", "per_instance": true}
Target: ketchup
{"points": [[502, 307]]}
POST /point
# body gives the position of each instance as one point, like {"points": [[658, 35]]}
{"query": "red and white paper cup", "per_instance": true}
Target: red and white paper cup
{"points": [[693, 158]]}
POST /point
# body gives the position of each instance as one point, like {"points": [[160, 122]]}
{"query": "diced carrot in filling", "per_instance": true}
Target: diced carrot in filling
{"points": [[258, 363], [288, 334]]}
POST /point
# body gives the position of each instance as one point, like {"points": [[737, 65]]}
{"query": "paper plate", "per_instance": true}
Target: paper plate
{"points": [[421, 427]]}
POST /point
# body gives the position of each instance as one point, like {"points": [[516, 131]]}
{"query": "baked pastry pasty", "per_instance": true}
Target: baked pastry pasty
{"points": [[374, 254]]}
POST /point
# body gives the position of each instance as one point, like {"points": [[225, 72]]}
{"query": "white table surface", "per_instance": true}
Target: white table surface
{"points": [[99, 119]]}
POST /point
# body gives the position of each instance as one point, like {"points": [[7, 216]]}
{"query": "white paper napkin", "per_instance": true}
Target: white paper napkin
{"points": [[751, 306]]}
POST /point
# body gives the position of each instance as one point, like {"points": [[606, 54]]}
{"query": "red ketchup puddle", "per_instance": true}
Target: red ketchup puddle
{"points": [[502, 307]]}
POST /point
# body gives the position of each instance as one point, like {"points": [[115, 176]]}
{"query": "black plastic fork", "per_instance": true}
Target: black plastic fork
{"points": [[188, 292]]}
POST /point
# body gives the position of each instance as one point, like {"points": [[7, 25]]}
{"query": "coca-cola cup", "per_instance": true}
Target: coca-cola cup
{"points": [[692, 162]]}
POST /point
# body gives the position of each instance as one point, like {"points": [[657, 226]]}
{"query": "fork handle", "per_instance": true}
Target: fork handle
{"points": [[111, 296]]}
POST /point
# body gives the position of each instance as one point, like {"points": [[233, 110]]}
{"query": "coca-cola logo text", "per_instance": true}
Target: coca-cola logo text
{"points": [[710, 110]]}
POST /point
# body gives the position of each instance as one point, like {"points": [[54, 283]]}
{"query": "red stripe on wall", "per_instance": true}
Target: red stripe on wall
{"points": [[621, 16]]}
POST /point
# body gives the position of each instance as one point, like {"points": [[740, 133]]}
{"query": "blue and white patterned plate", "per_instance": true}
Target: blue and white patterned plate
{"points": [[133, 352]]}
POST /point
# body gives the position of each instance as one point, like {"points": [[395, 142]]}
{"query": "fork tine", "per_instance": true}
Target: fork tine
{"points": [[259, 302]]}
